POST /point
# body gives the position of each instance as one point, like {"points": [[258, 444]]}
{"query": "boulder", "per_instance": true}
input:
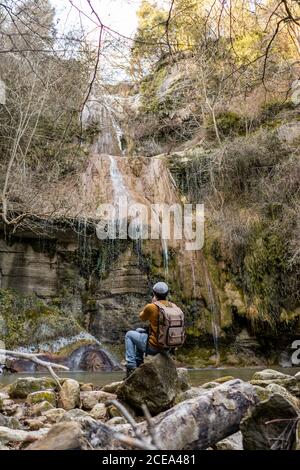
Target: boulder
{"points": [[69, 396], [62, 436], [44, 395], [153, 384], [90, 399], [26, 385], [99, 411], [54, 416], [269, 424]]}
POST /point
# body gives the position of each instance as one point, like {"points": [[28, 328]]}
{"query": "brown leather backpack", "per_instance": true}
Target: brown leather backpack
{"points": [[170, 331]]}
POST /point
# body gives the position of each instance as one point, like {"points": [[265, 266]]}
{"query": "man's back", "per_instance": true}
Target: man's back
{"points": [[151, 314]]}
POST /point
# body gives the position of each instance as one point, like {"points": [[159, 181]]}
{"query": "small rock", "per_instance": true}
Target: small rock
{"points": [[4, 447], [39, 408], [99, 411], [209, 385], [275, 388], [193, 392], [234, 442], [69, 396], [62, 436], [269, 374], [111, 388], [113, 411], [54, 416], [3, 420], [73, 415], [291, 384], [222, 380], [10, 422], [26, 385], [36, 424], [183, 379], [86, 387], [116, 421], [297, 446], [10, 408], [78, 416], [44, 395], [90, 399]]}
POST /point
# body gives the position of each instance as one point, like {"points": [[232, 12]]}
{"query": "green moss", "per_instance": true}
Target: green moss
{"points": [[265, 264], [27, 320]]}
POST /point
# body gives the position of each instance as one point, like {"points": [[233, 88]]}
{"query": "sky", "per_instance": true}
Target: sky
{"points": [[120, 15]]}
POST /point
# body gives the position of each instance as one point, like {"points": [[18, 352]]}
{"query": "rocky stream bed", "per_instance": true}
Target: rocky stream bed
{"points": [[36, 413]]}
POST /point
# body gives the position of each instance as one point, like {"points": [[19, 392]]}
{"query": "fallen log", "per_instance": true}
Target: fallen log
{"points": [[205, 420], [34, 358], [197, 423]]}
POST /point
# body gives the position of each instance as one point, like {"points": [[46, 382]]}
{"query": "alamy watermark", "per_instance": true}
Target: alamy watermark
{"points": [[295, 358], [152, 222]]}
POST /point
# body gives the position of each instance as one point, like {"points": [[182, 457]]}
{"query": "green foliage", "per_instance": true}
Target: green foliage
{"points": [[229, 124], [28, 320]]}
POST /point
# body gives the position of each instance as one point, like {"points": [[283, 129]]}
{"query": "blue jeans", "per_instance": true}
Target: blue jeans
{"points": [[135, 348]]}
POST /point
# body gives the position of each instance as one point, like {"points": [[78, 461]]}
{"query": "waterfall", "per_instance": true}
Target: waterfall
{"points": [[117, 179], [213, 307], [165, 250], [102, 113]]}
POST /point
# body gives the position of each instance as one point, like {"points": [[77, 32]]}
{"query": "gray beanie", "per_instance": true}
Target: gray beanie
{"points": [[161, 288]]}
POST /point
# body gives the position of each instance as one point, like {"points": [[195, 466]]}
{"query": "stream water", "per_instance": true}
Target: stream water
{"points": [[197, 376]]}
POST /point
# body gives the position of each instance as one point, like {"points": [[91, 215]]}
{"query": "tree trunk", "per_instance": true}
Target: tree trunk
{"points": [[200, 422]]}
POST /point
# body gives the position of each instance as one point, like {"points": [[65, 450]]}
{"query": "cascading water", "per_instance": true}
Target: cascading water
{"points": [[165, 251], [213, 307], [117, 180]]}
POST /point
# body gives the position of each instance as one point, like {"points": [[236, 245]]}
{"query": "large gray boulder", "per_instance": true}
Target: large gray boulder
{"points": [[154, 384], [270, 424]]}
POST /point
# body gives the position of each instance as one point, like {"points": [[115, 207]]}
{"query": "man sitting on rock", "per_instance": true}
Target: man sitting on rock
{"points": [[138, 342]]}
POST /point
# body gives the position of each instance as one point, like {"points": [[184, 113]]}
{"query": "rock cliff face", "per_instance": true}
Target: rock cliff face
{"points": [[240, 292]]}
